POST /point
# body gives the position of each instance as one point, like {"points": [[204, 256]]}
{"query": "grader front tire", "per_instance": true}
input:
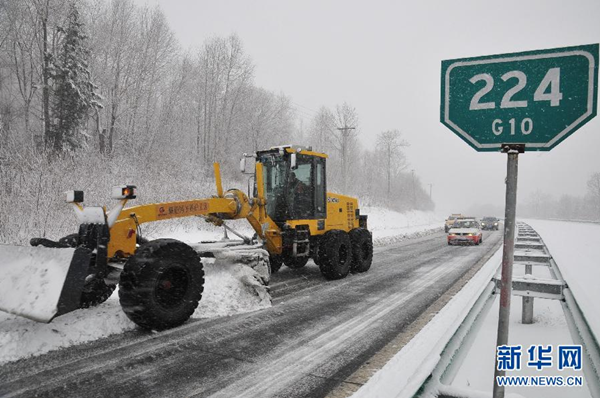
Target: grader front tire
{"points": [[161, 284]]}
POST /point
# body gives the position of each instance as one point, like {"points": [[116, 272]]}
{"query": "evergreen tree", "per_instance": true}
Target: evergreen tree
{"points": [[74, 92]]}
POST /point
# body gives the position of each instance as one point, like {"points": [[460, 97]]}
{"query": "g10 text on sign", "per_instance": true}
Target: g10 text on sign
{"points": [[534, 98]]}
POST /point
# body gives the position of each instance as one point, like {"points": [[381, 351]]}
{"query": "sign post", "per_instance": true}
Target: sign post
{"points": [[515, 103]]}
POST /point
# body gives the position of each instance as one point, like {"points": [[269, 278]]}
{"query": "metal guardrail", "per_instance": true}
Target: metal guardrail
{"points": [[439, 383]]}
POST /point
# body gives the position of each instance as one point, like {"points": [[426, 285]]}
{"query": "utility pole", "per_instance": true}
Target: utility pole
{"points": [[414, 193], [344, 131], [430, 188]]}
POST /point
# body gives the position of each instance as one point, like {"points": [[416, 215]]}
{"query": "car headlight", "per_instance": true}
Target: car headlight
{"points": [[470, 234], [495, 223]]}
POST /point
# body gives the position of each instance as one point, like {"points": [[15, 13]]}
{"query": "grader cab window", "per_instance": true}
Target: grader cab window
{"points": [[297, 194], [275, 170], [300, 190]]}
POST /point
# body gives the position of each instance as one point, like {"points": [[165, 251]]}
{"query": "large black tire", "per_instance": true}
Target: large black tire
{"points": [[276, 262], [295, 262], [336, 254], [161, 284], [362, 250], [95, 292], [316, 255]]}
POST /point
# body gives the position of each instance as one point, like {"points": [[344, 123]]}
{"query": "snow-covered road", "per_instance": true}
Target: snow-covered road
{"points": [[574, 247], [316, 335]]}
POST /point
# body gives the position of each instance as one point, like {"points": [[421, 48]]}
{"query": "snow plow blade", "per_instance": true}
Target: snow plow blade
{"points": [[41, 283]]}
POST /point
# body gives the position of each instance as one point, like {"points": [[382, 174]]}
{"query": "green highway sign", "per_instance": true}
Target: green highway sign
{"points": [[533, 98]]}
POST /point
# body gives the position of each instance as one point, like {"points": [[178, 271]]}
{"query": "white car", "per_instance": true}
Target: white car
{"points": [[467, 230]]}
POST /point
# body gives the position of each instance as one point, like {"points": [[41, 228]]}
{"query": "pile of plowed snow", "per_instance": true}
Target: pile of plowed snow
{"points": [[389, 226], [224, 294]]}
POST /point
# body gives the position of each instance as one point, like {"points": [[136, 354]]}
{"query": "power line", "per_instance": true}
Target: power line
{"points": [[305, 107], [304, 113]]}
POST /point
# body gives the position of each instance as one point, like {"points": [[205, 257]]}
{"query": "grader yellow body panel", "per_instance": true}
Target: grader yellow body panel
{"points": [[341, 214]]}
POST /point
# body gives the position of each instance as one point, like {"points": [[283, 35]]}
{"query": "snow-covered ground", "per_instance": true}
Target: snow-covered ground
{"points": [[575, 248], [389, 226], [224, 292]]}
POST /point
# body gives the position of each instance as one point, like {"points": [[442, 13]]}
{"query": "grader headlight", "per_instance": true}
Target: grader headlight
{"points": [[74, 196], [124, 192]]}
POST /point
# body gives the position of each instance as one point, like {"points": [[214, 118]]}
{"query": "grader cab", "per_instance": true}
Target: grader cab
{"points": [[161, 281]]}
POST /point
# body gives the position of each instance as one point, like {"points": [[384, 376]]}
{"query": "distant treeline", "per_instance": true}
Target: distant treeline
{"points": [[100, 92], [568, 207]]}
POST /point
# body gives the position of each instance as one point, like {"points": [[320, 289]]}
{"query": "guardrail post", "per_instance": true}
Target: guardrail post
{"points": [[527, 315]]}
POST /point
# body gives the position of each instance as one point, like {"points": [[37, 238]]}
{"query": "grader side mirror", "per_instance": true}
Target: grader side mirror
{"points": [[245, 167], [293, 163]]}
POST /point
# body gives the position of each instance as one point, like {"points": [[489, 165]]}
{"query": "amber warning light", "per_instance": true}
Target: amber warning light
{"points": [[124, 192]]}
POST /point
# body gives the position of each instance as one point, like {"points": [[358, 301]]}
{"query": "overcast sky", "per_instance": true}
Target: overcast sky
{"points": [[384, 58]]}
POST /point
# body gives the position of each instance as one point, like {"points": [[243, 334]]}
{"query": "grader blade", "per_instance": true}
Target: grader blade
{"points": [[41, 283]]}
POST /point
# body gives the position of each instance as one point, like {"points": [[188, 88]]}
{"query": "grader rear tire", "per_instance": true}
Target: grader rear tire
{"points": [[336, 255], [362, 250], [161, 284]]}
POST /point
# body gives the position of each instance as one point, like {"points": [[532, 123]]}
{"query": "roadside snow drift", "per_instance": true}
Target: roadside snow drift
{"points": [[389, 226], [226, 292]]}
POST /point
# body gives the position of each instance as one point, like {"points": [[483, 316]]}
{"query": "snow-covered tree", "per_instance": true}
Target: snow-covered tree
{"points": [[344, 138], [389, 145], [74, 94], [594, 192]]}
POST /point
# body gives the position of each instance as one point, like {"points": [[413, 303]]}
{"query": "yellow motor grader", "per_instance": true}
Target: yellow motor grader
{"points": [[161, 281]]}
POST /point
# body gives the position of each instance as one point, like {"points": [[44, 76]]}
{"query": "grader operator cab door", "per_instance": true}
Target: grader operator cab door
{"points": [[297, 193]]}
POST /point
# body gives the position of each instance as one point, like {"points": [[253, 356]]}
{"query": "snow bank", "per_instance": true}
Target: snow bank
{"points": [[225, 293], [389, 226]]}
